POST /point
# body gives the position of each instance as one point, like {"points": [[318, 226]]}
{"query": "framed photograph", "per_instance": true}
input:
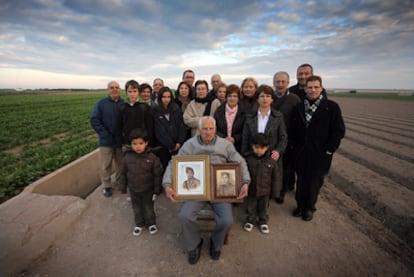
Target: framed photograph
{"points": [[226, 182], [191, 177]]}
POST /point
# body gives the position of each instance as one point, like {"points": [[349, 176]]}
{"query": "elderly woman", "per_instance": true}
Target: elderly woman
{"points": [[230, 117], [202, 105]]}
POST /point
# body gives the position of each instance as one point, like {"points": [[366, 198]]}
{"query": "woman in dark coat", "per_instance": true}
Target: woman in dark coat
{"points": [[169, 128], [230, 117]]}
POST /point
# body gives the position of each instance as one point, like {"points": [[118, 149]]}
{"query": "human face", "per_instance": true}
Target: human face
{"points": [[224, 178], [313, 89], [201, 91], [139, 145], [264, 100], [132, 94], [114, 91], [259, 150], [146, 94], [215, 81], [166, 99], [190, 174], [157, 84], [221, 94], [249, 89], [184, 91], [232, 99], [281, 83], [207, 131], [303, 74], [189, 78]]}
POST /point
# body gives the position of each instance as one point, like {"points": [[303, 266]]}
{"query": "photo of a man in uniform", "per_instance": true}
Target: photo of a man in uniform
{"points": [[191, 183], [226, 186]]}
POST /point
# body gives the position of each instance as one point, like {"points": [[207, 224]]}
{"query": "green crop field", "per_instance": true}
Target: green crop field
{"points": [[40, 133]]}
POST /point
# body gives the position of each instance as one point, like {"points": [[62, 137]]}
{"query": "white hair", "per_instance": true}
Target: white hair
{"points": [[206, 118]]}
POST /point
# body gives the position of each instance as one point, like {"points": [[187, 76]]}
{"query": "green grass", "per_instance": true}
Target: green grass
{"points": [[40, 133], [385, 96]]}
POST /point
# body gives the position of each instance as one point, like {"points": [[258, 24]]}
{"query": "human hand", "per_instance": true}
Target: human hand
{"points": [[170, 193], [275, 155], [244, 191]]}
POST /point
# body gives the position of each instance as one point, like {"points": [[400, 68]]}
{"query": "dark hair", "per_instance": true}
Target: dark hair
{"points": [[266, 90], [314, 78], [186, 71], [305, 65], [189, 169], [144, 86], [138, 133], [199, 82], [190, 95], [225, 173], [161, 92], [233, 89], [260, 139], [132, 83]]}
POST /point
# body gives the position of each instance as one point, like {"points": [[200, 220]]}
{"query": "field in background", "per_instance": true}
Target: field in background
{"points": [[42, 130], [40, 133]]}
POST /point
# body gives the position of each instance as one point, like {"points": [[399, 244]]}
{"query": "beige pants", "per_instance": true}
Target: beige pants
{"points": [[106, 156]]}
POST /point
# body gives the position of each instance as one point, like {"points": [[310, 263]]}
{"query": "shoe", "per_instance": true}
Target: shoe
{"points": [[194, 255], [153, 229], [248, 227], [280, 199], [297, 212], [264, 229], [214, 254], [137, 231], [107, 192], [307, 215]]}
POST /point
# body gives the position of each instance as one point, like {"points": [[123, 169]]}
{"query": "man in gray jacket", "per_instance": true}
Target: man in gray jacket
{"points": [[220, 151]]}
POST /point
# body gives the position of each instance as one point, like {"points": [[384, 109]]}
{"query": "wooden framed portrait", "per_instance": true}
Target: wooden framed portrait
{"points": [[226, 182], [191, 177]]}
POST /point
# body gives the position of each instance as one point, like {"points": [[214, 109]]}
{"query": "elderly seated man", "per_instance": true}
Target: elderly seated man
{"points": [[220, 151]]}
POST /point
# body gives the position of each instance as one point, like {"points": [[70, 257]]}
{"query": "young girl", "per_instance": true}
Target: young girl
{"points": [[170, 131], [142, 173]]}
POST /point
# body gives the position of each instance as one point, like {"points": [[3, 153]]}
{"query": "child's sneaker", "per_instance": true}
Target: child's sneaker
{"points": [[248, 226], [153, 229], [137, 231], [264, 229]]}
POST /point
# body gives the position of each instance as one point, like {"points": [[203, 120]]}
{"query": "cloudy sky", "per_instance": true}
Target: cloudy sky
{"points": [[84, 44]]}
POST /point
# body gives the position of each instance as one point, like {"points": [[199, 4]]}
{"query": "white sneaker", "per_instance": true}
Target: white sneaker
{"points": [[248, 226], [153, 229], [264, 229], [137, 231]]}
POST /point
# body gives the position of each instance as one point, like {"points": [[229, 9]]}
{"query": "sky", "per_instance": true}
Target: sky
{"points": [[86, 44]]}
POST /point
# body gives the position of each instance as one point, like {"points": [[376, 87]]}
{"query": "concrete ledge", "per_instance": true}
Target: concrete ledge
{"points": [[30, 223], [79, 178]]}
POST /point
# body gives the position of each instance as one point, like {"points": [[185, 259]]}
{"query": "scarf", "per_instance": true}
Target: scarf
{"points": [[230, 116], [310, 109]]}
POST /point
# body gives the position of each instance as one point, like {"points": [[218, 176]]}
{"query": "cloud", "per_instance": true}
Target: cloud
{"points": [[144, 39]]}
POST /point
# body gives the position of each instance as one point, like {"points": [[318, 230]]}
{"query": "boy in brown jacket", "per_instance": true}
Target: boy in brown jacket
{"points": [[265, 174], [142, 173]]}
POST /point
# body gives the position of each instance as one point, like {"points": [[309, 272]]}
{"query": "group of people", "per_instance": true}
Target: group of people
{"points": [[280, 136]]}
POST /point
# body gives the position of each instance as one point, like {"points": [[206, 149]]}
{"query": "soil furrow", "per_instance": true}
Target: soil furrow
{"points": [[378, 128], [381, 135], [398, 170], [368, 224], [396, 150], [399, 121], [390, 128]]}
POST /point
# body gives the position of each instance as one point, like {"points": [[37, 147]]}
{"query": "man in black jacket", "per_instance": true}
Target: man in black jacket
{"points": [[317, 128]]}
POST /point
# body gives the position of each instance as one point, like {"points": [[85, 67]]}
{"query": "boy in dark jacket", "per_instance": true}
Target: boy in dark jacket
{"points": [[142, 173], [265, 174]]}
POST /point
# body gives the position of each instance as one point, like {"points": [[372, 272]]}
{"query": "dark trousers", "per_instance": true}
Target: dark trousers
{"points": [[143, 207], [257, 208], [307, 190], [288, 181]]}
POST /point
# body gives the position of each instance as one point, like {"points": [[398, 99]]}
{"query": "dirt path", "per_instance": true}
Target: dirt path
{"points": [[363, 227]]}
